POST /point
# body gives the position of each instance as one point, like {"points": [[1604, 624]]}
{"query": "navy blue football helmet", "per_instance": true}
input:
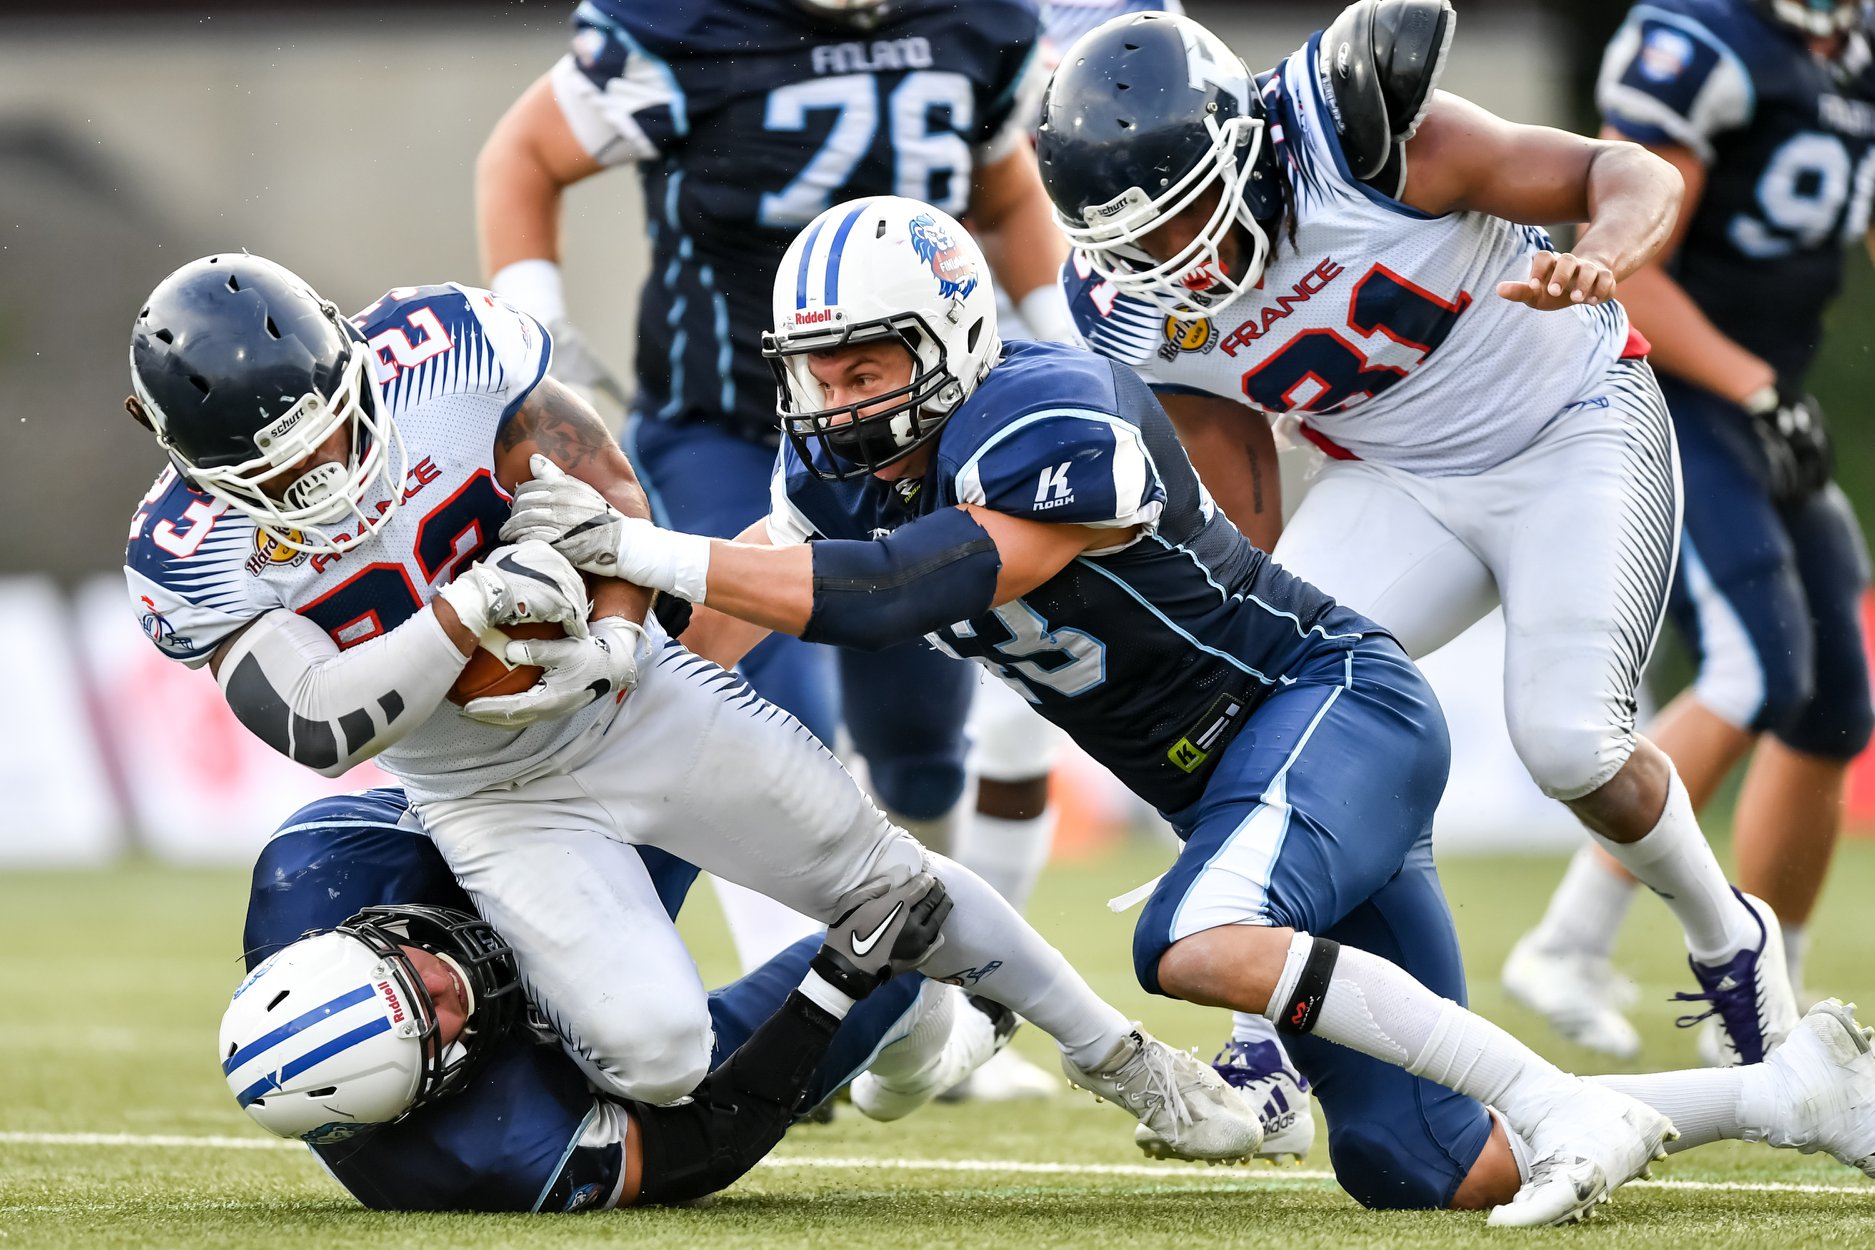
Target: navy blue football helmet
{"points": [[1146, 113], [1815, 17], [242, 371]]}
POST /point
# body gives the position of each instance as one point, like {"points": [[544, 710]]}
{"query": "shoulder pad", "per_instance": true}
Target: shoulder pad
{"points": [[1378, 64]]}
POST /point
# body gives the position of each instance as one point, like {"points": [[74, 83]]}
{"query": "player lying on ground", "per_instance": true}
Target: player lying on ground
{"points": [[1029, 506], [1363, 252], [398, 1047], [323, 542]]}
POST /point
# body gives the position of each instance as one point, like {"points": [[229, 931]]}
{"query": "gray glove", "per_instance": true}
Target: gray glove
{"points": [[528, 581], [882, 929], [556, 507], [579, 671]]}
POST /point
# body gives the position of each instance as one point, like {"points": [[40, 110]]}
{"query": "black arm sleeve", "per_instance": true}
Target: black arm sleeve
{"points": [[738, 1113]]}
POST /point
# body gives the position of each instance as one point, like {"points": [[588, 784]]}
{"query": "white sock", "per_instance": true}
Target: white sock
{"points": [[915, 1054], [1009, 854], [1249, 1026], [1586, 911], [1675, 861], [1375, 1007], [990, 950], [1705, 1104], [760, 927], [1796, 946]]}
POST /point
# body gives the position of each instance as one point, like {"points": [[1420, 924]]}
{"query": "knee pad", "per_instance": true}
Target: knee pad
{"points": [[1569, 757], [1384, 1173]]}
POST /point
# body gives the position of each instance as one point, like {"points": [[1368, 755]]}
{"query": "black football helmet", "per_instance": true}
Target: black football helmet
{"points": [[1146, 113], [242, 371], [1821, 18]]}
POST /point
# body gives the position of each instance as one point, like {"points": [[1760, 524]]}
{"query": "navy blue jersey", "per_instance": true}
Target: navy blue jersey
{"points": [[506, 1141], [1788, 140], [526, 1133], [1150, 654], [750, 117]]}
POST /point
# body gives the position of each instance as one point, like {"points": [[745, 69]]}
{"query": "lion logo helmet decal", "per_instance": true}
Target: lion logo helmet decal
{"points": [[955, 275]]}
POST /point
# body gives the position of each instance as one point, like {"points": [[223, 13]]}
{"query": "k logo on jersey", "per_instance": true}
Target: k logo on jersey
{"points": [[934, 245]]}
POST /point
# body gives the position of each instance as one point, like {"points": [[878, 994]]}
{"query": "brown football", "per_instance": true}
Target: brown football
{"points": [[487, 675]]}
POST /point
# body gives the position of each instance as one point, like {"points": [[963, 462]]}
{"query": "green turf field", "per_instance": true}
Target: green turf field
{"points": [[116, 1129]]}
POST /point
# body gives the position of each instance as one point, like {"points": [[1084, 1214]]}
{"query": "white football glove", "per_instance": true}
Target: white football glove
{"points": [[558, 508], [579, 671], [528, 581]]}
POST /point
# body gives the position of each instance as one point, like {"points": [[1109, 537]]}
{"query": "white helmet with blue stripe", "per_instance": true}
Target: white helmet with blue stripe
{"points": [[876, 269], [323, 1039], [337, 1032]]}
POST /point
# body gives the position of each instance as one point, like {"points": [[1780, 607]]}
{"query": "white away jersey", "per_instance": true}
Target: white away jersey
{"points": [[1379, 327], [453, 363]]}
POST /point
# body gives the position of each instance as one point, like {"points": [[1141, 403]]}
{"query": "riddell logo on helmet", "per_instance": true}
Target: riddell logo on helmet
{"points": [[390, 1000], [815, 316]]}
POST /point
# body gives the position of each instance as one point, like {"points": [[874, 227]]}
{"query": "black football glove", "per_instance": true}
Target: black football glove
{"points": [[882, 930], [1795, 438]]}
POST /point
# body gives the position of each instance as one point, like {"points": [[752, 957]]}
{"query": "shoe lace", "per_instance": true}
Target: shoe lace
{"points": [[1149, 1080]]}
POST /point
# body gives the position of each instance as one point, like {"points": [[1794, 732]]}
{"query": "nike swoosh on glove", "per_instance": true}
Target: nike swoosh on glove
{"points": [[882, 929], [526, 581], [579, 671]]}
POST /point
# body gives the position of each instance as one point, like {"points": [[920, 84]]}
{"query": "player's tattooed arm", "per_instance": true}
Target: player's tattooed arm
{"points": [[556, 423], [1234, 452]]}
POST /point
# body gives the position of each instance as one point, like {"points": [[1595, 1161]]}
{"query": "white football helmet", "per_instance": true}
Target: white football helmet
{"points": [[336, 1033], [880, 268]]}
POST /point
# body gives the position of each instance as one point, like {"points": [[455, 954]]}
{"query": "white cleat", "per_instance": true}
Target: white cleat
{"points": [[1825, 1073], [1580, 995], [1586, 1146], [1179, 1097], [1258, 1071], [980, 1030], [1005, 1077]]}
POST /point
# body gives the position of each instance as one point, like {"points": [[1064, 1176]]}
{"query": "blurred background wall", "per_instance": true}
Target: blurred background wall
{"points": [[339, 138]]}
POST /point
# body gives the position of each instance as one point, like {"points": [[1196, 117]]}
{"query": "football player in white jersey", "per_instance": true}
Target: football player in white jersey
{"points": [[1337, 245], [322, 542]]}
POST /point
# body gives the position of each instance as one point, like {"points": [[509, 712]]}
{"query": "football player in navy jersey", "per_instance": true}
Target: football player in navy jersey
{"points": [[1767, 109], [1028, 505], [478, 1113], [746, 118]]}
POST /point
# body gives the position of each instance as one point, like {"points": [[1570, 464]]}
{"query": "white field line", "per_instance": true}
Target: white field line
{"points": [[1019, 1167]]}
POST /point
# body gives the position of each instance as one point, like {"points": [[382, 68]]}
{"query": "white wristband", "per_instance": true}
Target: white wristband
{"points": [[535, 287], [667, 560], [1045, 311]]}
